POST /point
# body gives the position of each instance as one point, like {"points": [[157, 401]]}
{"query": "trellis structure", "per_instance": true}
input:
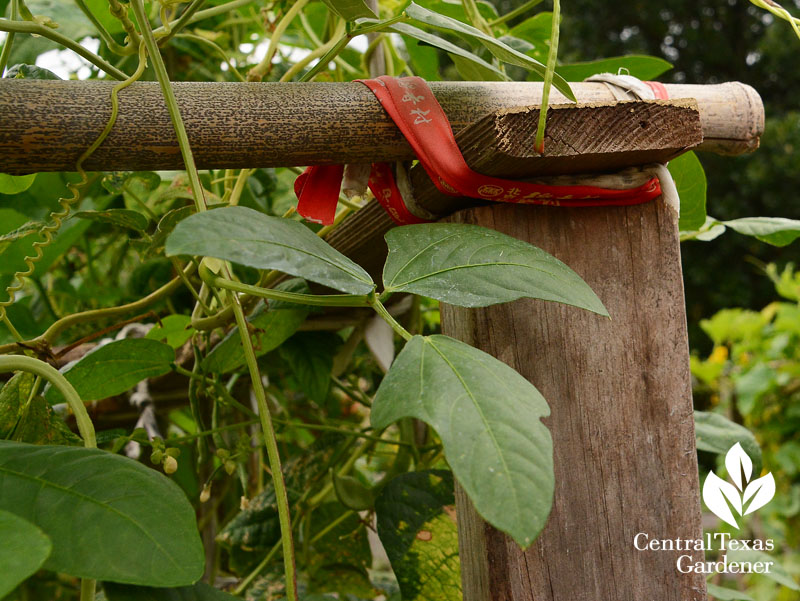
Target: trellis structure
{"points": [[619, 389]]}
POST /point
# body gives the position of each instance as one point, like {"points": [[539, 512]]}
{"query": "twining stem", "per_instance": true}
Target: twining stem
{"points": [[60, 383], [376, 304], [52, 333], [104, 34], [172, 104], [182, 21], [4, 56], [51, 34], [271, 442], [515, 13], [262, 68], [317, 300], [548, 76]]}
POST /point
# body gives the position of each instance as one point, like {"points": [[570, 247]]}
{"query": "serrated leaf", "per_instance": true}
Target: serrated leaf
{"points": [[489, 419], [496, 47], [472, 266], [127, 218], [23, 551], [310, 357], [416, 525], [777, 572], [690, 181], [115, 368], [108, 517], [434, 40], [349, 10], [251, 238], [716, 433], [197, 592], [15, 184], [273, 322]]}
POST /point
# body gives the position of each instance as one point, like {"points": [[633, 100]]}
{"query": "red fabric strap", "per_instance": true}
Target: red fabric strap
{"points": [[416, 112]]}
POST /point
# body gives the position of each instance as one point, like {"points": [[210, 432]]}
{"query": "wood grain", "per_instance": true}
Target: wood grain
{"points": [[46, 125], [619, 390]]}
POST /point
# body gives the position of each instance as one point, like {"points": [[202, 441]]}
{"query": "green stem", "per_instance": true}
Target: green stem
{"points": [[515, 13], [183, 20], [316, 53], [6, 54], [172, 104], [60, 383], [262, 68], [88, 587], [104, 34], [475, 17], [271, 442], [317, 300], [548, 77], [51, 34], [376, 304], [52, 333], [204, 14]]}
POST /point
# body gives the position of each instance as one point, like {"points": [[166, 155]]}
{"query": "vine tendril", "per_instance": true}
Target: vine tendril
{"points": [[47, 232]]}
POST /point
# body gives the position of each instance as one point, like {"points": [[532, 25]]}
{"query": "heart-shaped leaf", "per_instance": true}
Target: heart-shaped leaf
{"points": [[109, 517], [472, 266], [23, 551], [251, 238], [116, 367], [489, 419]]}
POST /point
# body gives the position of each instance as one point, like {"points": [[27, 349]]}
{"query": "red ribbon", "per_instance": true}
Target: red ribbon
{"points": [[416, 112]]}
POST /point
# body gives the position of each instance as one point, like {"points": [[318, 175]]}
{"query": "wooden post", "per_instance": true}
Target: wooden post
{"points": [[619, 390]]}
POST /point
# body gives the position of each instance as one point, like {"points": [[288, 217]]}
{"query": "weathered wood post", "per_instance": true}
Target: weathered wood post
{"points": [[618, 388]]}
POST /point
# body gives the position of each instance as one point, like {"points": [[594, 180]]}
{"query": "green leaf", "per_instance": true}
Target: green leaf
{"points": [[15, 184], [100, 10], [117, 181], [416, 525], [690, 180], [165, 226], [23, 551], [496, 47], [23, 71], [349, 10], [776, 572], [488, 417], [251, 238], [197, 592], [472, 266], [777, 231], [726, 594], [19, 233], [35, 421], [639, 65], [535, 30], [174, 330], [452, 49], [115, 368], [127, 218], [109, 517], [424, 59], [352, 493], [717, 434], [310, 357], [470, 70], [272, 323]]}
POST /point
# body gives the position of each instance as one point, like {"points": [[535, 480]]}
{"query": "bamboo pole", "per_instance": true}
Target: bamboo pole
{"points": [[45, 125]]}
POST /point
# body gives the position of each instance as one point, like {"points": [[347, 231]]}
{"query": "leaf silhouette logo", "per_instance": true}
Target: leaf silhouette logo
{"points": [[744, 495]]}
